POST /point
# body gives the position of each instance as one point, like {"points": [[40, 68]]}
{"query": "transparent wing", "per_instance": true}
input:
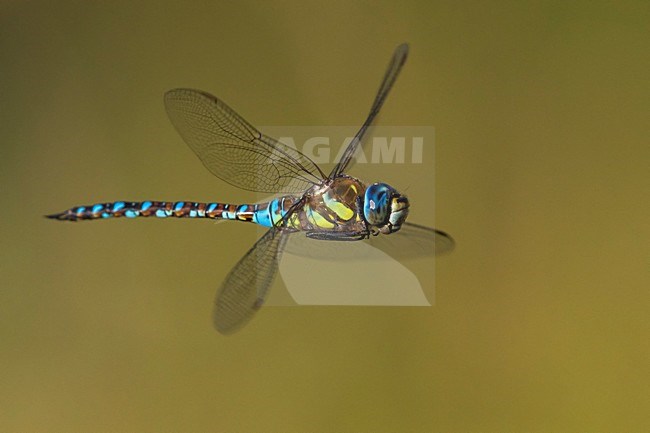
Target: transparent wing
{"points": [[233, 150], [243, 291], [412, 241], [394, 67], [376, 271]]}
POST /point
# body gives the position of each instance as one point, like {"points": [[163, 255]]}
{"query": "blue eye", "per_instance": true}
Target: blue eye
{"points": [[376, 206]]}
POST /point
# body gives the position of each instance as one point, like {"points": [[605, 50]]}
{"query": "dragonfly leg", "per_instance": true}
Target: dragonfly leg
{"points": [[338, 236]]}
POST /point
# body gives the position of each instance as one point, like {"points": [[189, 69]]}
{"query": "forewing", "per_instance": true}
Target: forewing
{"points": [[244, 290], [233, 150], [394, 67], [414, 240], [411, 241]]}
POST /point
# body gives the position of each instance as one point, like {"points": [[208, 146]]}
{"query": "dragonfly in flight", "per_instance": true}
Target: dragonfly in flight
{"points": [[320, 206]]}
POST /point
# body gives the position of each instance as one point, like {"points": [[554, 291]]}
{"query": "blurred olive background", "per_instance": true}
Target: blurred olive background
{"points": [[541, 318]]}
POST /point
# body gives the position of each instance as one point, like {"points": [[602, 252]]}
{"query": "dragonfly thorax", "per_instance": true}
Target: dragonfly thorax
{"points": [[384, 208], [334, 205]]}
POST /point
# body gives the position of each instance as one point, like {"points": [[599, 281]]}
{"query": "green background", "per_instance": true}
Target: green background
{"points": [[541, 320]]}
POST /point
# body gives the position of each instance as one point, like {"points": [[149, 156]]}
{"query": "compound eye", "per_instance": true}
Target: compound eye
{"points": [[376, 206]]}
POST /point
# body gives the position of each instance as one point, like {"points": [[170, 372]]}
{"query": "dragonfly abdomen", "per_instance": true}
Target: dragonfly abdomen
{"points": [[265, 214]]}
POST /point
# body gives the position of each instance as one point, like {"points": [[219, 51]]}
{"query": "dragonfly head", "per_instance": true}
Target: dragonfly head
{"points": [[384, 208]]}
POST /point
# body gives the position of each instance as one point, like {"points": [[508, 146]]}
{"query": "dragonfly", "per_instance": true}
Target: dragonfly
{"points": [[320, 206]]}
